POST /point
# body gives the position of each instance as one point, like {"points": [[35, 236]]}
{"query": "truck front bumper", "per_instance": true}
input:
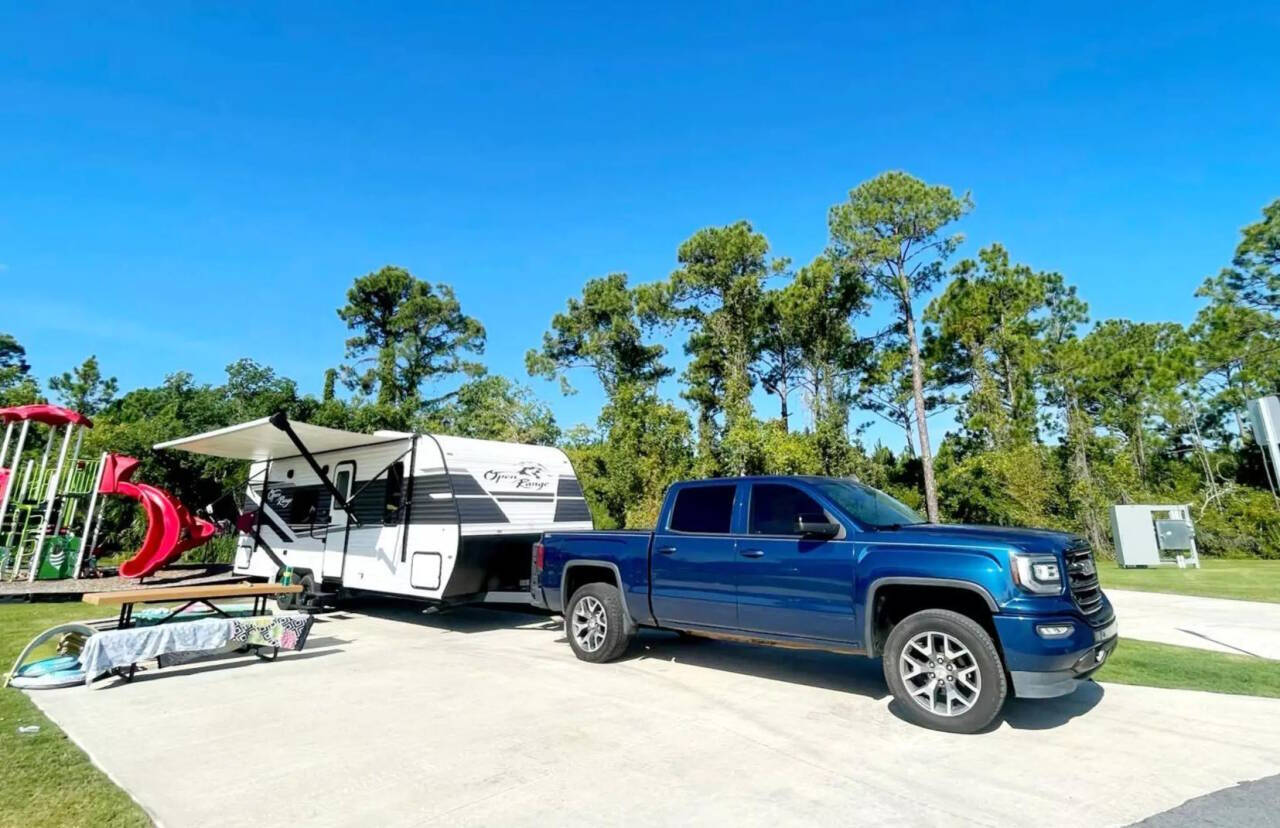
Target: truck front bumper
{"points": [[1044, 668]]}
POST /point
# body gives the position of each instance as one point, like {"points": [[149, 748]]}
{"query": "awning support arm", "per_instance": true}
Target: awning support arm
{"points": [[280, 421]]}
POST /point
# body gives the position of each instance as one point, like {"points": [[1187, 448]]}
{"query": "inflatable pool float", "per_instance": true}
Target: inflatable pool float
{"points": [[48, 673], [62, 670]]}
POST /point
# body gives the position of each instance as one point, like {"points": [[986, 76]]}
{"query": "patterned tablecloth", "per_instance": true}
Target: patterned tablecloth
{"points": [[185, 640]]}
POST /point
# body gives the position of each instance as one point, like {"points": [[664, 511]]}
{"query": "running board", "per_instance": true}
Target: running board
{"points": [[520, 597]]}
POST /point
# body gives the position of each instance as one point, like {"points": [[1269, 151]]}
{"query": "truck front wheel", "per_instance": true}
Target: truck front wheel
{"points": [[945, 671], [596, 623]]}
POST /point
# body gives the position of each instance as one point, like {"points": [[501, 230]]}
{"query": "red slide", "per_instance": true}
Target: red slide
{"points": [[171, 529]]}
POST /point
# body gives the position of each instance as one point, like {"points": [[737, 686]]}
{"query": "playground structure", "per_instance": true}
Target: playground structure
{"points": [[42, 503], [171, 529], [50, 513]]}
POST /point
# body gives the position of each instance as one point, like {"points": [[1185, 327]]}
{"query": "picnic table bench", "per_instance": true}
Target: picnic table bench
{"points": [[191, 595]]}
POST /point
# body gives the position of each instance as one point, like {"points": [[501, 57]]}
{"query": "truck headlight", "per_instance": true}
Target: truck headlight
{"points": [[1037, 573]]}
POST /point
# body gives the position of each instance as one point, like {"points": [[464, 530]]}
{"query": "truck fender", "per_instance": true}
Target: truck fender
{"points": [[622, 591], [869, 606]]}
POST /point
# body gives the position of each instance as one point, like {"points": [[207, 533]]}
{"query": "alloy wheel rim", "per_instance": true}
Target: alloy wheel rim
{"points": [[590, 625], [940, 673]]}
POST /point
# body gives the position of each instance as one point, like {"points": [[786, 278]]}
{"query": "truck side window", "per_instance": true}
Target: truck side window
{"points": [[703, 509], [775, 507], [395, 490]]}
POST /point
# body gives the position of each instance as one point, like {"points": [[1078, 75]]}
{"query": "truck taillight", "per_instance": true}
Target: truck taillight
{"points": [[539, 555]]}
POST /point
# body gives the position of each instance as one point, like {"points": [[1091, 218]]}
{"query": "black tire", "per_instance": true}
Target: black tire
{"points": [[298, 600], [981, 653], [307, 598], [607, 610]]}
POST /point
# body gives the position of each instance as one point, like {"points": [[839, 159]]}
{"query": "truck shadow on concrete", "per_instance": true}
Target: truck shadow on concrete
{"points": [[843, 673], [812, 668], [1036, 714], [1045, 714]]}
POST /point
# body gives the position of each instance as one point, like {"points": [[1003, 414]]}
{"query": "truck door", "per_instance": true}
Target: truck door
{"points": [[335, 542], [694, 561], [790, 584]]}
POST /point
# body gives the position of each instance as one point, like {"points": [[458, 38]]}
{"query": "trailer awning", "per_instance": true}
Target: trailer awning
{"points": [[260, 440]]}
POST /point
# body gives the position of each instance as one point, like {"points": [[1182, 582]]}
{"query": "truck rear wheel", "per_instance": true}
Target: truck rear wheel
{"points": [[945, 671], [596, 623]]}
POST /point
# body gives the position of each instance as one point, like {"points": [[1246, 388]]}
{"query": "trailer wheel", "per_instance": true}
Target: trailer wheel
{"points": [[285, 601], [945, 672], [307, 598], [596, 623], [298, 600]]}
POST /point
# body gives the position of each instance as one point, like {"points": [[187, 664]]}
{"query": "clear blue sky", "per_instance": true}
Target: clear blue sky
{"points": [[187, 184]]}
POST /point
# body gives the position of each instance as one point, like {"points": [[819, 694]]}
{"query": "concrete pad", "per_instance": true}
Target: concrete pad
{"points": [[485, 717], [1240, 627]]}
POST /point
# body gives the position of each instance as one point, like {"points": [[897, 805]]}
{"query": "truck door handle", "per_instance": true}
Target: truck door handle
{"points": [[752, 553], [666, 550]]}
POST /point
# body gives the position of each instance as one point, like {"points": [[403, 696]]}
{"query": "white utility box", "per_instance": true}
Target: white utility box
{"points": [[1154, 536]]}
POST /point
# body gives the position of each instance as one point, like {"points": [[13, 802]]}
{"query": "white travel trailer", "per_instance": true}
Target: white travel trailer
{"points": [[439, 518]]}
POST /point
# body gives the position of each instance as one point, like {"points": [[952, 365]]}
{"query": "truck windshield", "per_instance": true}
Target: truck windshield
{"points": [[868, 506]]}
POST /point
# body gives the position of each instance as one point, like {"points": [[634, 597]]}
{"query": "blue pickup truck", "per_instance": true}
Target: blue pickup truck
{"points": [[958, 613]]}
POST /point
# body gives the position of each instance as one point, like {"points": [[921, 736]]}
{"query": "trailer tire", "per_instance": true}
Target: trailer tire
{"points": [[939, 653], [298, 600], [596, 623], [285, 601], [307, 599]]}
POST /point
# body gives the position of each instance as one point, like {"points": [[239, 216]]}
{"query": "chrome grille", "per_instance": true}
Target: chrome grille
{"points": [[1082, 574]]}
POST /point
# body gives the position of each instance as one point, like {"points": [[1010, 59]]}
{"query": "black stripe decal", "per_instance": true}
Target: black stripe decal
{"points": [[480, 510], [571, 510], [569, 487]]}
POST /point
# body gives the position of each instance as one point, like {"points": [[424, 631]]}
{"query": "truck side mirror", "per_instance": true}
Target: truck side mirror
{"points": [[816, 526]]}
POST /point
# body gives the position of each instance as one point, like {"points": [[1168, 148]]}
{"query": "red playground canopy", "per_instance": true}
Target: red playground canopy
{"points": [[53, 415]]}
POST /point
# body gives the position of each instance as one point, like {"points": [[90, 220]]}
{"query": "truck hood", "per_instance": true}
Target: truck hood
{"points": [[1027, 540]]}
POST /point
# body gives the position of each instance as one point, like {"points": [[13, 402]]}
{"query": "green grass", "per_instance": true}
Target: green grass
{"points": [[44, 778], [1188, 668], [1243, 580]]}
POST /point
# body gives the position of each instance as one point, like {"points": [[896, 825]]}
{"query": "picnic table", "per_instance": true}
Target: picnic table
{"points": [[192, 595]]}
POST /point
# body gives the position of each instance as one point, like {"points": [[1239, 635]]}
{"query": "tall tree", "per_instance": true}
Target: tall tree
{"points": [[891, 230], [601, 332], [817, 309], [718, 293], [884, 387], [17, 386], [1238, 332], [1133, 374], [84, 389], [990, 321], [254, 390], [494, 408], [408, 332], [1254, 275], [330, 380]]}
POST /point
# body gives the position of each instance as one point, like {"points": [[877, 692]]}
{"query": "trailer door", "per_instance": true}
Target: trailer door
{"points": [[335, 544]]}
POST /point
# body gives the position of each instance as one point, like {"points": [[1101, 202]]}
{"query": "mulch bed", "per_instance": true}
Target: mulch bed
{"points": [[70, 589]]}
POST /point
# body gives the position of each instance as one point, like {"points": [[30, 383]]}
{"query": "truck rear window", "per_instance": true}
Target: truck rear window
{"points": [[705, 509]]}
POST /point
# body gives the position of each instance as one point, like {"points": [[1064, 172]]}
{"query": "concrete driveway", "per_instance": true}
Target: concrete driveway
{"points": [[1240, 627], [395, 718]]}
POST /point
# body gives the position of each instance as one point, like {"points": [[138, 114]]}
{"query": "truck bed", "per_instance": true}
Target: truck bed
{"points": [[625, 551]]}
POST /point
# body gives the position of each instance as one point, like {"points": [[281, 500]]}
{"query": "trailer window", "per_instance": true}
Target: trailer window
{"points": [[302, 505], [703, 509], [395, 491]]}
